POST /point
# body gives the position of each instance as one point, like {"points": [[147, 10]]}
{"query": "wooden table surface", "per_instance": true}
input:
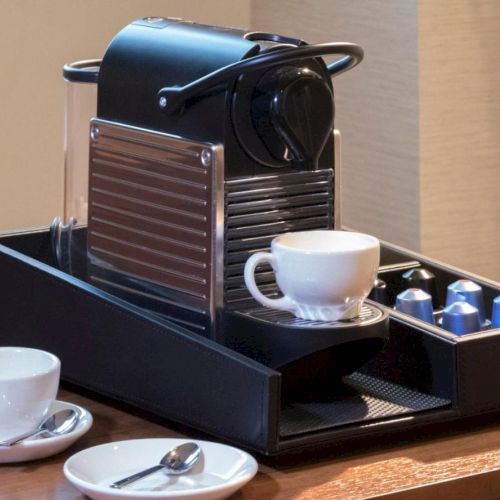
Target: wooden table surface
{"points": [[459, 465]]}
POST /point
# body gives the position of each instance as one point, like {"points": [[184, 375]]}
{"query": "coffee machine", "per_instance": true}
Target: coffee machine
{"points": [[209, 142]]}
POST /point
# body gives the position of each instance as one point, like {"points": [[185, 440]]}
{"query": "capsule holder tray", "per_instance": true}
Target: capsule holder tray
{"points": [[119, 350]]}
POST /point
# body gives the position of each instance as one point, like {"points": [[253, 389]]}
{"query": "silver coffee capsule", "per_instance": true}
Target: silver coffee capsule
{"points": [[416, 303], [470, 292], [461, 318]]}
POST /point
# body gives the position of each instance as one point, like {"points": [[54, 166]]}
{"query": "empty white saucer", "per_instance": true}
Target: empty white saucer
{"points": [[220, 471], [41, 447]]}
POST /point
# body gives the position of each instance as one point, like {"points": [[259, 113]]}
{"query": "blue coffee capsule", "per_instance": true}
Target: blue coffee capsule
{"points": [[416, 303], [467, 291], [461, 318], [454, 296], [495, 314], [425, 280]]}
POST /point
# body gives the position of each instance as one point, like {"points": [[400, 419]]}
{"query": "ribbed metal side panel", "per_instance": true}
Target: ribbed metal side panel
{"points": [[151, 215], [259, 208]]}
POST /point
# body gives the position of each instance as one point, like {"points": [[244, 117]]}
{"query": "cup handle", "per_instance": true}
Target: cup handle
{"points": [[283, 303]]}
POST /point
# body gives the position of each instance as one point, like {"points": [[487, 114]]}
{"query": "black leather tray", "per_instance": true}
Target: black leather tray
{"points": [[423, 375]]}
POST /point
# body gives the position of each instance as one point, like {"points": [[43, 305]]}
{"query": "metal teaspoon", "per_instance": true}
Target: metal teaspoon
{"points": [[177, 461], [58, 423]]}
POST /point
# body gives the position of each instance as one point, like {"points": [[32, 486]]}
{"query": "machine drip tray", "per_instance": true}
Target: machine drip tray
{"points": [[278, 339], [358, 398], [369, 314]]}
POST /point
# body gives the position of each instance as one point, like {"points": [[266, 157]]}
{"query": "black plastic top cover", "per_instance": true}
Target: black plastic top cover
{"points": [[152, 53], [267, 99]]}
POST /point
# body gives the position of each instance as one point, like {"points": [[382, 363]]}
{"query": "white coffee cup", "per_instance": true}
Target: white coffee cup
{"points": [[29, 379], [324, 275]]}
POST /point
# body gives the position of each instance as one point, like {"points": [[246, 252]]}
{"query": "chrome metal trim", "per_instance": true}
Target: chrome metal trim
{"points": [[148, 281], [153, 220], [137, 201], [156, 215], [164, 270], [172, 241], [167, 142], [134, 291], [399, 266], [167, 178], [61, 246], [337, 193], [162, 192], [218, 217]]}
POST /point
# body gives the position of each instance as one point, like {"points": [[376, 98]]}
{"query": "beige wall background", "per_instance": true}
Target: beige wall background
{"points": [[460, 132], [420, 117], [376, 105], [37, 38]]}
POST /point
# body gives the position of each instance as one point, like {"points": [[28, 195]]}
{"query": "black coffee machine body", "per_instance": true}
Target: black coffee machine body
{"points": [[208, 143]]}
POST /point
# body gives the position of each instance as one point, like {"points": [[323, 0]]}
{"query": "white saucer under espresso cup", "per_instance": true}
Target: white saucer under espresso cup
{"points": [[323, 275], [29, 380]]}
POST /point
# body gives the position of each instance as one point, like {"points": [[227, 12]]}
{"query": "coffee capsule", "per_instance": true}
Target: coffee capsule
{"points": [[461, 318], [467, 291], [423, 279], [379, 292], [453, 296], [416, 303], [495, 315]]}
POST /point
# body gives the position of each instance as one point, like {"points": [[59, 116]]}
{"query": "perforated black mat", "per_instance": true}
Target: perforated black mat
{"points": [[361, 398]]}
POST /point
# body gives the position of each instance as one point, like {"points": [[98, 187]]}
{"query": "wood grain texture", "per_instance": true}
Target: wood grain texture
{"points": [[44, 479], [437, 468]]}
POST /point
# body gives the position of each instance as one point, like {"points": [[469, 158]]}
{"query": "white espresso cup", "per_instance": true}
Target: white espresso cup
{"points": [[29, 379], [323, 275]]}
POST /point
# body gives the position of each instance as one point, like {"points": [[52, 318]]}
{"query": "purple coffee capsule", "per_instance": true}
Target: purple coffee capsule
{"points": [[416, 303], [495, 314], [461, 318], [467, 291]]}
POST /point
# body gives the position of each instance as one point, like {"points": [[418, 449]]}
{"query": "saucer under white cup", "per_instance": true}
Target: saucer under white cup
{"points": [[29, 380], [324, 274], [41, 447]]}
